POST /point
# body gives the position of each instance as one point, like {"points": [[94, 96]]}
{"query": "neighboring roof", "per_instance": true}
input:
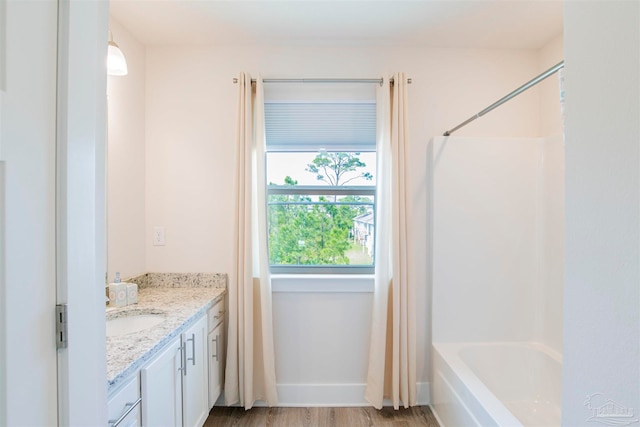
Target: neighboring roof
{"points": [[364, 218]]}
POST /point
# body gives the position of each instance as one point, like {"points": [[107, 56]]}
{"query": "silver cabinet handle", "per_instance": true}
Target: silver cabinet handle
{"points": [[193, 349], [216, 341], [127, 410], [217, 346], [183, 361]]}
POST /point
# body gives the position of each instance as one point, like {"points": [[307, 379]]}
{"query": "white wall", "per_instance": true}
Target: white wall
{"points": [[601, 339], [190, 158], [321, 340], [126, 161]]}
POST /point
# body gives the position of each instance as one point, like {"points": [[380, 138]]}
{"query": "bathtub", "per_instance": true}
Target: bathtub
{"points": [[496, 384]]}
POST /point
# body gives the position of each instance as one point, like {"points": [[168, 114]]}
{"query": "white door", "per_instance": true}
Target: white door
{"points": [[52, 119], [3, 294], [28, 149], [80, 196], [81, 243]]}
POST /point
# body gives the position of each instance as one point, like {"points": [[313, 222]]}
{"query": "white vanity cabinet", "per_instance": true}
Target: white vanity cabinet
{"points": [[123, 409], [174, 383], [216, 350]]}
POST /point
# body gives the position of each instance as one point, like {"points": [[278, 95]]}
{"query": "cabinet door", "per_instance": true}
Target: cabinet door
{"points": [[162, 388], [195, 385], [216, 363]]}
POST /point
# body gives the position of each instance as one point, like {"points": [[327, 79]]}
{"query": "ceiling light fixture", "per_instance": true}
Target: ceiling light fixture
{"points": [[116, 63]]}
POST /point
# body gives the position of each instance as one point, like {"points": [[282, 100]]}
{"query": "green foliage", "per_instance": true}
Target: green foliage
{"points": [[312, 230], [309, 234], [290, 181], [334, 168]]}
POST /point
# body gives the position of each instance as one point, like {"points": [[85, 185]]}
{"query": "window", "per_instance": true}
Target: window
{"points": [[321, 185]]}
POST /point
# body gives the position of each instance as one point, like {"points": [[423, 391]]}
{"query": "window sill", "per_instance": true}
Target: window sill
{"points": [[331, 283]]}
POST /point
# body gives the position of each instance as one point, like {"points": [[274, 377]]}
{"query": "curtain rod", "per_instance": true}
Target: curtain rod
{"points": [[378, 81], [513, 94]]}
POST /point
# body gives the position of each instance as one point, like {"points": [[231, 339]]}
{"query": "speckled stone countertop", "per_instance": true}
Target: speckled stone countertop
{"points": [[182, 307]]}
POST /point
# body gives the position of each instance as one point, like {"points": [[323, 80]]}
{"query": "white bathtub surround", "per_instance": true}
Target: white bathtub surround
{"points": [[250, 364], [550, 289], [497, 278], [496, 384], [392, 353]]}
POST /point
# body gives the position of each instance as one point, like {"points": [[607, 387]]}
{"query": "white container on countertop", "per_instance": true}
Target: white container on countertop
{"points": [[117, 292], [132, 293]]}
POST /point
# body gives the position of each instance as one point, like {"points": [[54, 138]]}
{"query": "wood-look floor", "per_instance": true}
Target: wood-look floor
{"points": [[221, 416]]}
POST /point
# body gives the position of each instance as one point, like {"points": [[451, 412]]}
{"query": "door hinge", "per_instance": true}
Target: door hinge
{"points": [[61, 326]]}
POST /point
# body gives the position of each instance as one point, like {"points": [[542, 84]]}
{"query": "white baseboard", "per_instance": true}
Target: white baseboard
{"points": [[321, 395], [333, 395]]}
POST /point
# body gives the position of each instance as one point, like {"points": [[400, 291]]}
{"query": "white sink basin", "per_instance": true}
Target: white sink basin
{"points": [[133, 322]]}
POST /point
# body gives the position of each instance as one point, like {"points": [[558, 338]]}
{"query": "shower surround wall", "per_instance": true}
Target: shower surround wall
{"points": [[497, 239]]}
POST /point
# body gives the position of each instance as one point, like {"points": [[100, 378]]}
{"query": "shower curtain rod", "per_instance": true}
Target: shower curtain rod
{"points": [[504, 99], [378, 81]]}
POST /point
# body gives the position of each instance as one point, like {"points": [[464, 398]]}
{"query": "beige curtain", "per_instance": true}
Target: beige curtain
{"points": [[250, 370], [392, 352]]}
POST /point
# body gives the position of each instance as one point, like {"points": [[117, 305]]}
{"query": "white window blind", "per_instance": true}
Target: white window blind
{"points": [[329, 126]]}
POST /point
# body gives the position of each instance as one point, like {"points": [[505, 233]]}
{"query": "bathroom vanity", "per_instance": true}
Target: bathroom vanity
{"points": [[165, 356]]}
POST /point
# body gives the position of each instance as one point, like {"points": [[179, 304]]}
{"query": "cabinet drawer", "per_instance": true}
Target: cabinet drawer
{"points": [[124, 405], [216, 314]]}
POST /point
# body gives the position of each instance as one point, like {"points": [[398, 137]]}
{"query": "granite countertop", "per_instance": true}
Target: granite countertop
{"points": [[182, 307]]}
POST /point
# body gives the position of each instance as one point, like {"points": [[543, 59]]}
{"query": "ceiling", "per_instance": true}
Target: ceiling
{"points": [[524, 24]]}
